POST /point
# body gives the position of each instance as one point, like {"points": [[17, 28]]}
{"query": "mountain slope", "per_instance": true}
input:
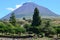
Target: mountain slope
{"points": [[27, 10]]}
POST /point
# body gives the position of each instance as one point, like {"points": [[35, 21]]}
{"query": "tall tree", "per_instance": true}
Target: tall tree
{"points": [[36, 18], [12, 19]]}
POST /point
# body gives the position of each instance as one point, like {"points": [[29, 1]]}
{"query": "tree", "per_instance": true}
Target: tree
{"points": [[28, 28], [2, 27], [24, 18], [19, 30], [12, 19], [36, 18], [58, 30], [48, 29], [47, 24], [9, 28]]}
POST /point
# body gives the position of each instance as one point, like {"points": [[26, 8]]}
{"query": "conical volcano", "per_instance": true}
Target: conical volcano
{"points": [[27, 10]]}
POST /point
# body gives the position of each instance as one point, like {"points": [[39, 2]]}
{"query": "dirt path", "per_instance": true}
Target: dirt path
{"points": [[24, 39]]}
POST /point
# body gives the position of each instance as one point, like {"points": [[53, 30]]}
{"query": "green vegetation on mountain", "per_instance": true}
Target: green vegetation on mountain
{"points": [[37, 26]]}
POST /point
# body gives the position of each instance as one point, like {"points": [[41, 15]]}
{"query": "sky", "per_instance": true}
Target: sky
{"points": [[7, 6]]}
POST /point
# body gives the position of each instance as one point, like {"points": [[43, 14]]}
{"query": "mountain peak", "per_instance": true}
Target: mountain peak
{"points": [[27, 10], [28, 3]]}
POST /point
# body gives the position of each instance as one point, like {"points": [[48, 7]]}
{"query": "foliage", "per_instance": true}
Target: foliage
{"points": [[28, 28], [38, 26], [12, 19], [36, 18], [2, 26], [48, 29], [24, 18], [36, 30], [51, 30], [58, 29], [9, 28], [47, 24], [19, 30]]}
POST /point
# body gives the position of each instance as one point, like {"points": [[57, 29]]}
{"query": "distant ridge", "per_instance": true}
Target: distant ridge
{"points": [[27, 9]]}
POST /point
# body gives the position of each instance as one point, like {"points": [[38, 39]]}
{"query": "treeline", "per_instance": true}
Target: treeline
{"points": [[37, 26]]}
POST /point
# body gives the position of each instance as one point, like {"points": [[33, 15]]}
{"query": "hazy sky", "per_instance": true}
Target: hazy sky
{"points": [[6, 6]]}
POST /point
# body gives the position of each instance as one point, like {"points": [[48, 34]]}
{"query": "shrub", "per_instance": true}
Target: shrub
{"points": [[2, 27], [9, 28], [19, 30]]}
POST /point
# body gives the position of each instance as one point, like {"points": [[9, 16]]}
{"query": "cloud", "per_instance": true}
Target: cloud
{"points": [[12, 9], [17, 6]]}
